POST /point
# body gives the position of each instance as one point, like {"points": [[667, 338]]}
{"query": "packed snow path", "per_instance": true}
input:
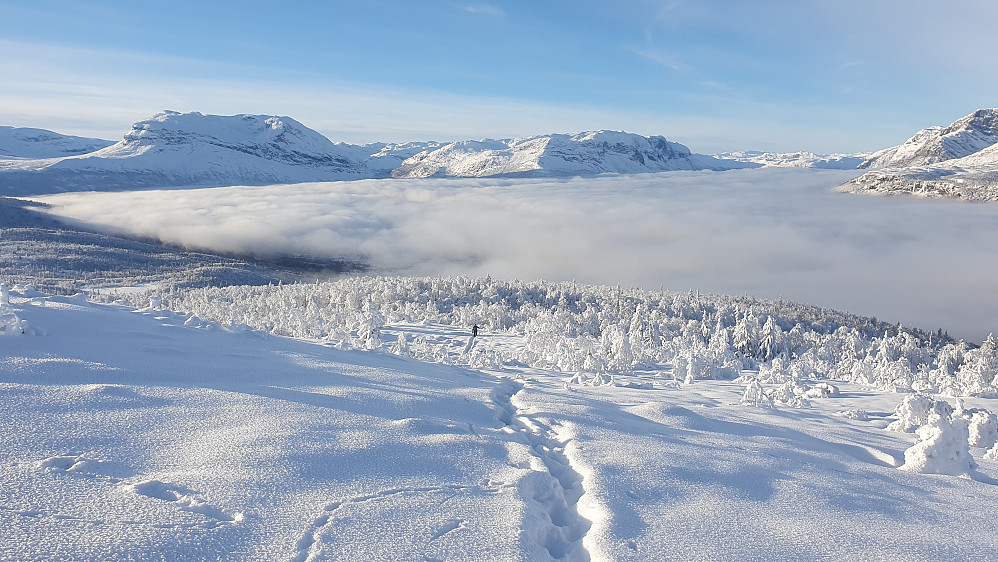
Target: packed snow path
{"points": [[553, 490], [147, 434]]}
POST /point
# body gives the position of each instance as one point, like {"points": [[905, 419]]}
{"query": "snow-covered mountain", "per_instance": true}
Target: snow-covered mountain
{"points": [[958, 161], [190, 149], [381, 158], [796, 159], [588, 153], [23, 142], [963, 137]]}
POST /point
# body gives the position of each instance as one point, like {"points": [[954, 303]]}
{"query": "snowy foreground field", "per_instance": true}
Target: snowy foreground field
{"points": [[360, 430]]}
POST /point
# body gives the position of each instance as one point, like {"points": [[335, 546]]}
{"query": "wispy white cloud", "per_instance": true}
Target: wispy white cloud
{"points": [[484, 9], [657, 56], [764, 232], [98, 93]]}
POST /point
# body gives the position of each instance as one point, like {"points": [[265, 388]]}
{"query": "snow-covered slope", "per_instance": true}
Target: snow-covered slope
{"points": [[963, 137], [381, 158], [189, 149], [22, 142], [581, 154], [974, 178], [958, 161], [796, 159], [154, 434]]}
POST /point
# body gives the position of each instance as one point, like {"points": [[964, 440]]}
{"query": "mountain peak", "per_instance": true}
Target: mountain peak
{"points": [[562, 154], [277, 138], [956, 161], [932, 145], [173, 149]]}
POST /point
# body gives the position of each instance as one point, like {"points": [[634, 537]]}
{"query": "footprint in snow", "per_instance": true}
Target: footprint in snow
{"points": [[448, 526], [82, 465], [184, 498]]}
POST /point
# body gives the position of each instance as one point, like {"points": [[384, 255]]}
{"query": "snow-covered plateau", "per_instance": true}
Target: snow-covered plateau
{"points": [[957, 161]]}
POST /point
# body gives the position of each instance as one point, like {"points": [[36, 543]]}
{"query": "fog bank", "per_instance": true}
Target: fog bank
{"points": [[767, 232]]}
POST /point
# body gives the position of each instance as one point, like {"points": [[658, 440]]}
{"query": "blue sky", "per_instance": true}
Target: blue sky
{"points": [[824, 76]]}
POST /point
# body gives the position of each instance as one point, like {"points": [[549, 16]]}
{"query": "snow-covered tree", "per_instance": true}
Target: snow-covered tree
{"points": [[942, 448]]}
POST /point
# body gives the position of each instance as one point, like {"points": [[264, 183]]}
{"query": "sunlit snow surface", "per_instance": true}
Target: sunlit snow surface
{"points": [[148, 434], [768, 232]]}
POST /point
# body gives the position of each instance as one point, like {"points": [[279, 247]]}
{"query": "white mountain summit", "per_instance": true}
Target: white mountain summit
{"points": [[963, 137], [957, 161], [190, 149], [586, 154]]}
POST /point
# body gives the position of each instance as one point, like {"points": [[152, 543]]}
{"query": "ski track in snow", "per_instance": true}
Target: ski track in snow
{"points": [[552, 497]]}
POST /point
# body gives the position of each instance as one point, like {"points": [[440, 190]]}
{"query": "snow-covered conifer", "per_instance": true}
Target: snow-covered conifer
{"points": [[755, 395], [983, 430], [912, 412], [942, 448], [771, 344]]}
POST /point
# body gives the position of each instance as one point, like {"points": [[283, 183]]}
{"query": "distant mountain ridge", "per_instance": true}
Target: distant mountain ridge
{"points": [[175, 149], [588, 153], [957, 161], [797, 159], [25, 142]]}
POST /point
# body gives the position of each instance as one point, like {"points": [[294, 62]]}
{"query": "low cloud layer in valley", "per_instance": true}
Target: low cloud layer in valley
{"points": [[768, 232]]}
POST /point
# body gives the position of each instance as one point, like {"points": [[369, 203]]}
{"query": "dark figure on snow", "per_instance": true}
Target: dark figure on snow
{"points": [[474, 331]]}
